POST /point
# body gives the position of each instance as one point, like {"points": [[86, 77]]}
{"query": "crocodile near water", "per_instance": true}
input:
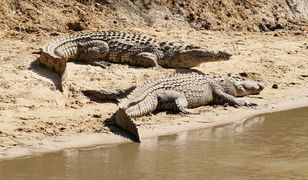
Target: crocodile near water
{"points": [[101, 47], [179, 91]]}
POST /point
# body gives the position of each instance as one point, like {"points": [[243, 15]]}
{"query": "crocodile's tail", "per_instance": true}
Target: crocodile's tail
{"points": [[126, 123], [55, 54], [56, 64]]}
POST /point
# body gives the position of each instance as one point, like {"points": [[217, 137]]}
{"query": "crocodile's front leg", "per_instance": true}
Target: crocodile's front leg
{"points": [[93, 52], [221, 97], [101, 63]]}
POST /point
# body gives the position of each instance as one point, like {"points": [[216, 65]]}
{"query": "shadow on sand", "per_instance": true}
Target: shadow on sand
{"points": [[111, 125], [39, 69], [187, 71]]}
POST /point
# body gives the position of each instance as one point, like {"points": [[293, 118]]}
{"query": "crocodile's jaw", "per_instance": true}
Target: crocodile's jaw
{"points": [[248, 87], [194, 57]]}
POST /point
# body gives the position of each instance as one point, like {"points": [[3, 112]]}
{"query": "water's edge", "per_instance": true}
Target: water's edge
{"points": [[98, 140]]}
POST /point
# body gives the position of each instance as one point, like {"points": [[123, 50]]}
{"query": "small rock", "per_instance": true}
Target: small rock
{"points": [[243, 74], [19, 129], [275, 86], [97, 115], [75, 26], [80, 131], [62, 128]]}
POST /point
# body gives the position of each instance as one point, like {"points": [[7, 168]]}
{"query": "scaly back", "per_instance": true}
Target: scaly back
{"points": [[56, 53], [171, 81]]}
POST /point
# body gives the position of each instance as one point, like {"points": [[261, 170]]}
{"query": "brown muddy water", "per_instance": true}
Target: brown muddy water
{"points": [[270, 146]]}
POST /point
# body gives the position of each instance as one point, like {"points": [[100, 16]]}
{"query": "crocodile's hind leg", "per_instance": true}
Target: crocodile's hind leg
{"points": [[93, 52], [143, 107], [150, 103], [166, 97], [109, 94], [146, 59]]}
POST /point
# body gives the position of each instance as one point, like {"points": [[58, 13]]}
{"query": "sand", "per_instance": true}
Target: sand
{"points": [[35, 117]]}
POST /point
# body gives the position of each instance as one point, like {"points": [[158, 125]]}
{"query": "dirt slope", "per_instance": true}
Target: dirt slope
{"points": [[52, 17]]}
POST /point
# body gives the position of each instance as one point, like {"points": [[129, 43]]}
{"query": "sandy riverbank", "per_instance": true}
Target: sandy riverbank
{"points": [[183, 124], [35, 117]]}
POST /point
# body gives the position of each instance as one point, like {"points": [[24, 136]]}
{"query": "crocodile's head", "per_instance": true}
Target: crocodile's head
{"points": [[239, 86], [191, 57]]}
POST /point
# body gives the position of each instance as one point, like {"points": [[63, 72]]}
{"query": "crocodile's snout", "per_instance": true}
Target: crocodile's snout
{"points": [[253, 87], [261, 86], [194, 57], [225, 55]]}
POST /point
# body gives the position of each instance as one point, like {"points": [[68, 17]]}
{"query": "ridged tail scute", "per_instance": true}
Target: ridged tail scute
{"points": [[126, 123], [54, 56], [53, 63]]}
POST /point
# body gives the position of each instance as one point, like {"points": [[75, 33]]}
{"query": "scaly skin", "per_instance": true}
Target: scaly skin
{"points": [[99, 48], [180, 92]]}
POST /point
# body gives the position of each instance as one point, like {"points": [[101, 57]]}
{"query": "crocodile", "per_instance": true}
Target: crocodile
{"points": [[179, 91], [101, 48]]}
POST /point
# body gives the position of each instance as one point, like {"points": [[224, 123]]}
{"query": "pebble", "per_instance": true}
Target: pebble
{"points": [[275, 86]]}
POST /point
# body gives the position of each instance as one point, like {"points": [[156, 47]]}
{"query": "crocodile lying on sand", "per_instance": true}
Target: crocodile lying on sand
{"points": [[178, 92], [100, 48]]}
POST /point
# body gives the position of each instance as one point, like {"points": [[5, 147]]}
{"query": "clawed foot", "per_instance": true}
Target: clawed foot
{"points": [[242, 102], [157, 67], [189, 111], [102, 64]]}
